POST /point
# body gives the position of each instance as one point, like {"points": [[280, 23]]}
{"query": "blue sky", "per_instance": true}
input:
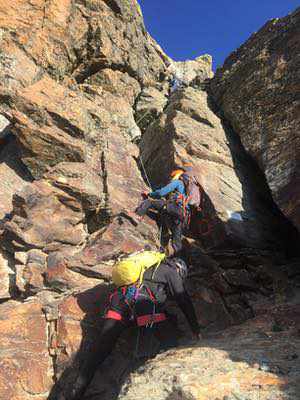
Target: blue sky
{"points": [[186, 29]]}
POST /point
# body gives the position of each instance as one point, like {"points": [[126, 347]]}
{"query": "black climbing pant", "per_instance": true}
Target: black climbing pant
{"points": [[170, 219], [146, 205], [164, 332], [111, 330]]}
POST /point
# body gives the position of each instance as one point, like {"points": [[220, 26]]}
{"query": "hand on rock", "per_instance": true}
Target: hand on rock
{"points": [[144, 195]]}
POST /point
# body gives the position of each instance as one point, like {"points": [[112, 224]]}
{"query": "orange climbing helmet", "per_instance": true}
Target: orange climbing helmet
{"points": [[176, 174]]}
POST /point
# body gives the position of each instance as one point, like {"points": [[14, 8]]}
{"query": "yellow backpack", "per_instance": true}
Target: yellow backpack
{"points": [[131, 269]]}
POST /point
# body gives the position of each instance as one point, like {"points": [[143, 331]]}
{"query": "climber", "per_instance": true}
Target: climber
{"points": [[174, 84], [174, 212], [143, 306]]}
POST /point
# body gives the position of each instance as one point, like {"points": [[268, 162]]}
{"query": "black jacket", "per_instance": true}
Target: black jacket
{"points": [[165, 282]]}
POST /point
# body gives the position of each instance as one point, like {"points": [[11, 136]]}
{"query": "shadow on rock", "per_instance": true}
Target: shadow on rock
{"points": [[11, 156], [256, 360], [129, 352], [261, 219]]}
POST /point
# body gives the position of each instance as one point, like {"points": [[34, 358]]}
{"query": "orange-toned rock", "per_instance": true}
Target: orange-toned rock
{"points": [[59, 277], [150, 104], [120, 237], [29, 274], [80, 181], [118, 83], [25, 365], [44, 216], [70, 74], [99, 34]]}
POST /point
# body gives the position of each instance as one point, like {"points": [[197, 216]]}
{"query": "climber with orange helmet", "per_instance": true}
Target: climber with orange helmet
{"points": [[169, 201]]}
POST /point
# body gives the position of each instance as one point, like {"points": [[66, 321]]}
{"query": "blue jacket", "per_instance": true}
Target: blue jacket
{"points": [[177, 185]]}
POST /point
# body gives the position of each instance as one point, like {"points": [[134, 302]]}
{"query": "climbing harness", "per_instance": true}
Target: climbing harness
{"points": [[146, 322]]}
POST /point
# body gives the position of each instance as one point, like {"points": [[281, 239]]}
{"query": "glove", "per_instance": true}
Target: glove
{"points": [[144, 195]]}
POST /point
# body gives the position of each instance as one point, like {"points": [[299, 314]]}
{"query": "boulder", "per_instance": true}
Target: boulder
{"points": [[80, 181], [103, 247], [57, 276]]}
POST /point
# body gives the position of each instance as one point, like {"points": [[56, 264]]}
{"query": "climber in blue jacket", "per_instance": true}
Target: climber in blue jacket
{"points": [[169, 201], [175, 185]]}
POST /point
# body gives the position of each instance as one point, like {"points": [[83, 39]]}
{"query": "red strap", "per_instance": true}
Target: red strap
{"points": [[150, 318], [152, 297], [111, 314]]}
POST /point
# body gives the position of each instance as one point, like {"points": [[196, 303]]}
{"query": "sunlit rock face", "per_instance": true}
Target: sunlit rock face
{"points": [[257, 90], [235, 364], [237, 200], [89, 118]]}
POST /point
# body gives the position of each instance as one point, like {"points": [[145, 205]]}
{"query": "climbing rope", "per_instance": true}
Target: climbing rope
{"points": [[141, 119], [145, 173], [140, 157]]}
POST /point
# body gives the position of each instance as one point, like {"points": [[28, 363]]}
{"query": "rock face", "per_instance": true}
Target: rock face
{"points": [[237, 205], [13, 172], [250, 362], [192, 71], [26, 368], [4, 126], [70, 74], [6, 273], [257, 90], [87, 110]]}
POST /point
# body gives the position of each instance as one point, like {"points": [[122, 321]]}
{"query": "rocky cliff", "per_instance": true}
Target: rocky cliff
{"points": [[257, 90], [88, 119]]}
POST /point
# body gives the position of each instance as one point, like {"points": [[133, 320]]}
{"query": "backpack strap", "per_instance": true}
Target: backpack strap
{"points": [[140, 280]]}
